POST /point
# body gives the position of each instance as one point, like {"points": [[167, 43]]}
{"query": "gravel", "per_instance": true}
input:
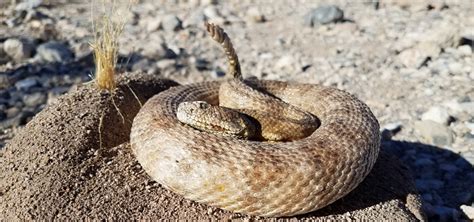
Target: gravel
{"points": [[410, 61], [18, 49], [323, 15], [53, 52]]}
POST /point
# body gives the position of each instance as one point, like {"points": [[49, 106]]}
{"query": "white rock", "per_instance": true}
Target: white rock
{"points": [[26, 84], [54, 52], [455, 68], [465, 50], [458, 108], [165, 63], [171, 23], [285, 62], [396, 126], [214, 15], [434, 133], [437, 114], [28, 4], [153, 24], [255, 15], [468, 210], [17, 49], [417, 56], [470, 126]]}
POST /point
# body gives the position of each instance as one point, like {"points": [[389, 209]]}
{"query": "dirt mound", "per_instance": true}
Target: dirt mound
{"points": [[73, 161]]}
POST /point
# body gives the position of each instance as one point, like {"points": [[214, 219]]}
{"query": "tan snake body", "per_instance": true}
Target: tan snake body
{"points": [[259, 178], [252, 177]]}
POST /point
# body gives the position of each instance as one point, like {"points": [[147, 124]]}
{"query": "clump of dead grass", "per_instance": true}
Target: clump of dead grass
{"points": [[105, 46]]}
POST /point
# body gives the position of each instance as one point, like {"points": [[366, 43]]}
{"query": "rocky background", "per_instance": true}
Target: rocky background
{"points": [[410, 61]]}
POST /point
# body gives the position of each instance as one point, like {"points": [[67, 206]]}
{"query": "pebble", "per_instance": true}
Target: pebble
{"points": [[171, 23], [465, 50], [53, 52], [434, 133], [285, 62], [469, 156], [165, 63], [468, 210], [255, 15], [437, 114], [153, 25], [158, 50], [12, 111], [18, 49], [470, 126], [323, 15], [213, 14], [455, 68], [418, 55], [28, 5], [196, 18], [26, 84], [34, 99]]}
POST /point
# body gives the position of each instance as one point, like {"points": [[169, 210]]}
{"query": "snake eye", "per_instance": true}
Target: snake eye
{"points": [[203, 105]]}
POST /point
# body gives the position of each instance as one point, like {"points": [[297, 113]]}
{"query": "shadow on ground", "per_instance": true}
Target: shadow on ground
{"points": [[444, 178]]}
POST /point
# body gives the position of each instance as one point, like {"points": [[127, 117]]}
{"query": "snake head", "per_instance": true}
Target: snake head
{"points": [[215, 119]]}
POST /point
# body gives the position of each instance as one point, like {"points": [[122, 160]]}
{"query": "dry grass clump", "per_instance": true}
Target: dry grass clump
{"points": [[105, 45]]}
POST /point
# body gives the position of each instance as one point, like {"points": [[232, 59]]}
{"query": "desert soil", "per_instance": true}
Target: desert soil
{"points": [[410, 61]]}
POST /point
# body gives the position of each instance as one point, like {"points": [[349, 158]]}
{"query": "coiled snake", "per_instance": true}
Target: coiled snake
{"points": [[307, 169]]}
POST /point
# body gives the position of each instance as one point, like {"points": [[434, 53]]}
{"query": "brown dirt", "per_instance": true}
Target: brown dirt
{"points": [[56, 168]]}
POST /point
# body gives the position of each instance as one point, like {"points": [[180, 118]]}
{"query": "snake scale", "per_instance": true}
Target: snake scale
{"points": [[258, 177]]}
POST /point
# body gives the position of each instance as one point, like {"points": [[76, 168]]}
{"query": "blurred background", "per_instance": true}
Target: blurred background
{"points": [[410, 61]]}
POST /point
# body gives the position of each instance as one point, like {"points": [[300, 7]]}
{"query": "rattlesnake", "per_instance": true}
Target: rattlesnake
{"points": [[263, 178]]}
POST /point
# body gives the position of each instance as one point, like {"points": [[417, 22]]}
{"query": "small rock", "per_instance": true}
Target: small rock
{"points": [[469, 156], [323, 15], [18, 49], [214, 15], [28, 5], [54, 52], [26, 84], [455, 68], [196, 18], [153, 25], [470, 126], [468, 210], [12, 112], [285, 61], [171, 23], [35, 99], [464, 50], [417, 56], [255, 15], [457, 108], [165, 63], [437, 114], [434, 133]]}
